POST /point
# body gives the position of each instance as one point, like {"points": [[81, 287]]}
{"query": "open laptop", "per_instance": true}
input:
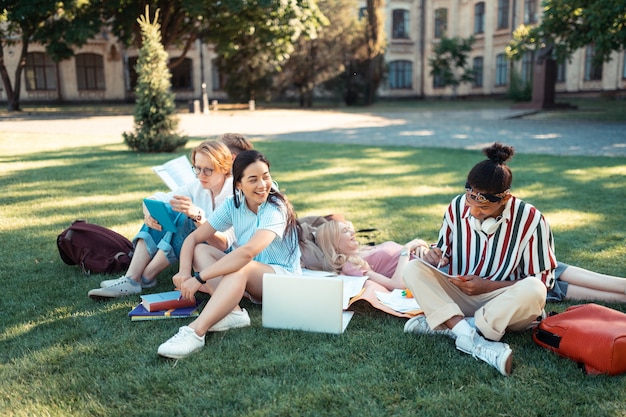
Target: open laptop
{"points": [[309, 303]]}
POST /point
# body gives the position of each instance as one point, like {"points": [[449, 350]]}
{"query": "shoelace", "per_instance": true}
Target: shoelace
{"points": [[179, 336]]}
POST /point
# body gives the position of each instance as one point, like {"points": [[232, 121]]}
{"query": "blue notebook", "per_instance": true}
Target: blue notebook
{"points": [[140, 313], [163, 213]]}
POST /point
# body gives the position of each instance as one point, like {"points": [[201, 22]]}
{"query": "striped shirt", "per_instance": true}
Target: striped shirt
{"points": [[521, 247], [283, 251]]}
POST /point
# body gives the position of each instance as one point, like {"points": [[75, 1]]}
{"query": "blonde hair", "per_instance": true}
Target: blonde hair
{"points": [[327, 239], [219, 154], [236, 142]]}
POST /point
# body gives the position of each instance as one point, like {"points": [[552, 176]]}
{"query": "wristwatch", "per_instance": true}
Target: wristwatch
{"points": [[198, 217], [404, 253], [196, 275]]}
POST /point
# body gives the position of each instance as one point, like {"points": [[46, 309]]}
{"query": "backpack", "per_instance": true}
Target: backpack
{"points": [[94, 248], [592, 335]]}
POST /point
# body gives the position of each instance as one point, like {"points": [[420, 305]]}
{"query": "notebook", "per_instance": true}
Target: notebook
{"points": [[163, 213], [309, 303]]}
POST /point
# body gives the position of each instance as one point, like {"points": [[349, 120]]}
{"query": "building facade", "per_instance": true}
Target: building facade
{"points": [[102, 70]]}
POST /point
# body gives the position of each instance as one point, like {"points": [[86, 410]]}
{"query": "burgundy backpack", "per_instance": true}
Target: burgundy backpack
{"points": [[94, 248]]}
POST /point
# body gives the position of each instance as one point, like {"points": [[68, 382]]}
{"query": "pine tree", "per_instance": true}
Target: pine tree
{"points": [[155, 122]]}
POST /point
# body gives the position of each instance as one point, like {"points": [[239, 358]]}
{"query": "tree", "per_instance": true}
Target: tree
{"points": [[253, 39], [316, 61], [375, 35], [155, 122], [181, 22], [58, 26], [568, 25], [450, 62]]}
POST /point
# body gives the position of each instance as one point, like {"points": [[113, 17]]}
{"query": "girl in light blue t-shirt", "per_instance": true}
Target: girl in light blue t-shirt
{"points": [[266, 233]]}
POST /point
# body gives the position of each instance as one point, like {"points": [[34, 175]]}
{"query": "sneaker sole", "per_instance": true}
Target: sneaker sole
{"points": [[108, 297], [223, 329], [174, 356], [508, 365]]}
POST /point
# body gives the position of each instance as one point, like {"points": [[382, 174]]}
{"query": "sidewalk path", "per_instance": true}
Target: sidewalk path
{"points": [[455, 129]]}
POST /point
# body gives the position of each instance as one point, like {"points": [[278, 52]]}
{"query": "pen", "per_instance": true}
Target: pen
{"points": [[443, 254]]}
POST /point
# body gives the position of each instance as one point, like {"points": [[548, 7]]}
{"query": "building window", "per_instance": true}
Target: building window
{"points": [[438, 81], [400, 75], [400, 22], [503, 14], [40, 72], [218, 80], [441, 22], [560, 72], [527, 67], [90, 72], [479, 17], [182, 75], [477, 67], [530, 11], [132, 72], [592, 71], [501, 70]]}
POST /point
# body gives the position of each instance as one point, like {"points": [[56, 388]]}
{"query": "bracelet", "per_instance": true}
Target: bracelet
{"points": [[404, 253], [196, 275]]}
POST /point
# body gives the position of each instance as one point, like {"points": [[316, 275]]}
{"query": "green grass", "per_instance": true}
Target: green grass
{"points": [[62, 354]]}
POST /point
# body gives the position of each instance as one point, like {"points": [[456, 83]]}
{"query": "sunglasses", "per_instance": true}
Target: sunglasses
{"points": [[484, 197]]}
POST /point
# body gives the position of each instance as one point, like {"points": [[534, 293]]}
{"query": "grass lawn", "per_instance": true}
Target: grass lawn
{"points": [[62, 354]]}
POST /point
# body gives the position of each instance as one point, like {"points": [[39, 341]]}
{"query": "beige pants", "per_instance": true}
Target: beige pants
{"points": [[509, 308]]}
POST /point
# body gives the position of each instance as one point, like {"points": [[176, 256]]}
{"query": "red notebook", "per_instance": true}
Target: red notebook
{"points": [[165, 301]]}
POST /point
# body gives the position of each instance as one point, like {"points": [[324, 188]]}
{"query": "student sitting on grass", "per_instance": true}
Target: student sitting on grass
{"points": [[266, 230], [156, 249], [236, 143], [500, 250]]}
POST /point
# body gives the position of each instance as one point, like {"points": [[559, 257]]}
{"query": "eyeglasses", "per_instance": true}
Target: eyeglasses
{"points": [[348, 228], [484, 198], [207, 172]]}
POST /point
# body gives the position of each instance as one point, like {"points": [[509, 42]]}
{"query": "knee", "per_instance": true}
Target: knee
{"points": [[534, 289]]}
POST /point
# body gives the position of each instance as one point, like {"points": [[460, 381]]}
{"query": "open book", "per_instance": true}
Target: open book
{"points": [[357, 288], [176, 172]]}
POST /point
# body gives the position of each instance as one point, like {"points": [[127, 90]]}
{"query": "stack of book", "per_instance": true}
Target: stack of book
{"points": [[165, 305]]}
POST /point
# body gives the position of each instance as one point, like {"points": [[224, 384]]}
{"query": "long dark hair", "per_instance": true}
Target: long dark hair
{"points": [[245, 159], [493, 175]]}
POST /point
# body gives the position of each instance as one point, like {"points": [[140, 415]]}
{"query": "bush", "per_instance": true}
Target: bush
{"points": [[155, 121]]}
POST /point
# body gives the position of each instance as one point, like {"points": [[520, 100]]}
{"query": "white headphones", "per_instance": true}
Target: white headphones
{"points": [[488, 226]]}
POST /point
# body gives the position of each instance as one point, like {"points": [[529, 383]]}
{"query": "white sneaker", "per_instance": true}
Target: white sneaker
{"points": [[122, 288], [418, 325], [144, 283], [182, 344], [233, 320], [497, 354]]}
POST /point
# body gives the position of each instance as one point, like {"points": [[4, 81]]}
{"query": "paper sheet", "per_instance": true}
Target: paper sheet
{"points": [[397, 301]]}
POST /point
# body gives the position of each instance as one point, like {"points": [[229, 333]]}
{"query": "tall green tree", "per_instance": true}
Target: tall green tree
{"points": [[450, 62], [57, 25], [326, 57], [568, 25], [182, 22], [253, 39], [155, 119]]}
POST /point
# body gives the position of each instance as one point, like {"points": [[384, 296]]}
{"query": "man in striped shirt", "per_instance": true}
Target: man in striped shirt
{"points": [[500, 252]]}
